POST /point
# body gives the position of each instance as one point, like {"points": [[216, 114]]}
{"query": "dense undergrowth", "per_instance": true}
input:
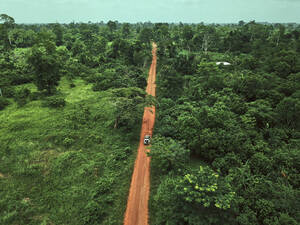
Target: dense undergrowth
{"points": [[64, 165]]}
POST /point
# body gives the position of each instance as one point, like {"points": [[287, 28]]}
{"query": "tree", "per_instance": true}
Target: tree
{"points": [[44, 59], [7, 25], [161, 32], [167, 206], [185, 63], [171, 82], [205, 187], [263, 113], [241, 23], [112, 25], [58, 31], [22, 38], [187, 35], [126, 30], [145, 35], [167, 155], [110, 78], [288, 112], [9, 21], [78, 47], [99, 46], [129, 104]]}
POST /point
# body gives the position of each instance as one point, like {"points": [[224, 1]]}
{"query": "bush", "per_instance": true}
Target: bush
{"points": [[34, 96], [3, 103], [8, 92], [54, 102], [21, 96]]}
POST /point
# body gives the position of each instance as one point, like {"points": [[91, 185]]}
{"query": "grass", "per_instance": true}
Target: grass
{"points": [[66, 165]]}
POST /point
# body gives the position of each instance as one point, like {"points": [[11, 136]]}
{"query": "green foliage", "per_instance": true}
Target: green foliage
{"points": [[112, 25], [108, 79], [185, 63], [58, 31], [66, 166], [163, 211], [240, 120], [263, 113], [171, 207], [288, 110], [54, 102], [34, 96], [72, 164], [167, 155], [3, 102], [8, 92], [170, 82], [145, 35], [128, 107], [5, 28], [206, 188], [21, 96], [45, 61]]}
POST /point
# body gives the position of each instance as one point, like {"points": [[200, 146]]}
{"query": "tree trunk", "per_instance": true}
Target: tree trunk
{"points": [[116, 123]]}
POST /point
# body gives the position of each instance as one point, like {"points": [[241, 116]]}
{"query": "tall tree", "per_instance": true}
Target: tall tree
{"points": [[7, 25], [58, 31], [126, 30], [112, 25]]}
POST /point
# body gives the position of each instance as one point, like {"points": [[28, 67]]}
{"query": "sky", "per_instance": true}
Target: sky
{"points": [[186, 11]]}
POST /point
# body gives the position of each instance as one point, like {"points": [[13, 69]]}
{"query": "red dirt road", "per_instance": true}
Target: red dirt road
{"points": [[137, 204]]}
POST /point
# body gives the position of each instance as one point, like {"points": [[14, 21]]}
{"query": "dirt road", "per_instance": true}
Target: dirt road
{"points": [[137, 204]]}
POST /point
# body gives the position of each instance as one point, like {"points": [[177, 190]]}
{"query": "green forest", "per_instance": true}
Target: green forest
{"points": [[226, 143]]}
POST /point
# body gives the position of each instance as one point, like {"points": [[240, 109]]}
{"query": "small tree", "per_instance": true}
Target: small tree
{"points": [[45, 62]]}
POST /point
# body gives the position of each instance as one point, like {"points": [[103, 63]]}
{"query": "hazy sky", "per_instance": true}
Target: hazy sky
{"points": [[218, 11]]}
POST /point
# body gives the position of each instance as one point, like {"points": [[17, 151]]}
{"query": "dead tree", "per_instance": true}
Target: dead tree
{"points": [[206, 43]]}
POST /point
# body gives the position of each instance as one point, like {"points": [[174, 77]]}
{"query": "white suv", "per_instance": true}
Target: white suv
{"points": [[147, 139]]}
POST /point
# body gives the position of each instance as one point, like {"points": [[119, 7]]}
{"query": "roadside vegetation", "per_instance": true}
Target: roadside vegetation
{"points": [[227, 137]]}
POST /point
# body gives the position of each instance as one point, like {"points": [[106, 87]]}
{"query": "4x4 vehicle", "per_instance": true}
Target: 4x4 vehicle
{"points": [[147, 139]]}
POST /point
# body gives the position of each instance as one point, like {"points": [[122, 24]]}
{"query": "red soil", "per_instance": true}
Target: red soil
{"points": [[137, 204]]}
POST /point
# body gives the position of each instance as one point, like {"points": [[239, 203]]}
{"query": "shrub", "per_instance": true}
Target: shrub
{"points": [[54, 102], [21, 96], [67, 142], [8, 92], [3, 103], [34, 96]]}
